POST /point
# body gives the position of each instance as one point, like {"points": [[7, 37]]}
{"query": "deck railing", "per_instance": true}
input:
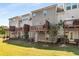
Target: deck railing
{"points": [[38, 28], [74, 24], [43, 27]]}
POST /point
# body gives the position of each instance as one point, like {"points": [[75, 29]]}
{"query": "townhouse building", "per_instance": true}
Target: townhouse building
{"points": [[25, 23], [37, 22], [41, 19], [71, 23], [14, 26], [18, 25]]}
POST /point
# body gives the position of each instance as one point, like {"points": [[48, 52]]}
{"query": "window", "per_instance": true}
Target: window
{"points": [[30, 19], [25, 19], [74, 6], [45, 12], [34, 14], [11, 19], [68, 7], [67, 4], [20, 21]]}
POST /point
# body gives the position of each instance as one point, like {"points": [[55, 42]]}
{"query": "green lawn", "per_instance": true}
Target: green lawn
{"points": [[22, 48]]}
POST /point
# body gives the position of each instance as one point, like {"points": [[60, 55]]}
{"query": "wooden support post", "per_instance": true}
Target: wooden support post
{"points": [[45, 35]]}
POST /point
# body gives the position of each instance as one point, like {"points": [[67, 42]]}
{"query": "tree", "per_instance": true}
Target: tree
{"points": [[54, 30], [2, 31], [26, 30], [61, 23]]}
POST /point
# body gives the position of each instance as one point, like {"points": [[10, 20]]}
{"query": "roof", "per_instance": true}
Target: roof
{"points": [[16, 17], [51, 6], [26, 14]]}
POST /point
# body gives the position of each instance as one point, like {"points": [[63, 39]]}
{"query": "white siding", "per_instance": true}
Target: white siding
{"points": [[39, 19]]}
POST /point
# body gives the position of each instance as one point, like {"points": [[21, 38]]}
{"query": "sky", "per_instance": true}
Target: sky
{"points": [[8, 10]]}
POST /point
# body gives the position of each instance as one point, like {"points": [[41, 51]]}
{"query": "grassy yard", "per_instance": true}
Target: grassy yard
{"points": [[22, 48]]}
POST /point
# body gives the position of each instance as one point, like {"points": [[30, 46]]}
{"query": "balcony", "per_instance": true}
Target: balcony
{"points": [[26, 28], [44, 27], [12, 28], [71, 24], [38, 28]]}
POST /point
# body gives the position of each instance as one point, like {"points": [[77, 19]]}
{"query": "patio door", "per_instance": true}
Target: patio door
{"points": [[71, 36]]}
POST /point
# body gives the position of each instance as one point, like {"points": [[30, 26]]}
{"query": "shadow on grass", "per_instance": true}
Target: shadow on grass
{"points": [[24, 43]]}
